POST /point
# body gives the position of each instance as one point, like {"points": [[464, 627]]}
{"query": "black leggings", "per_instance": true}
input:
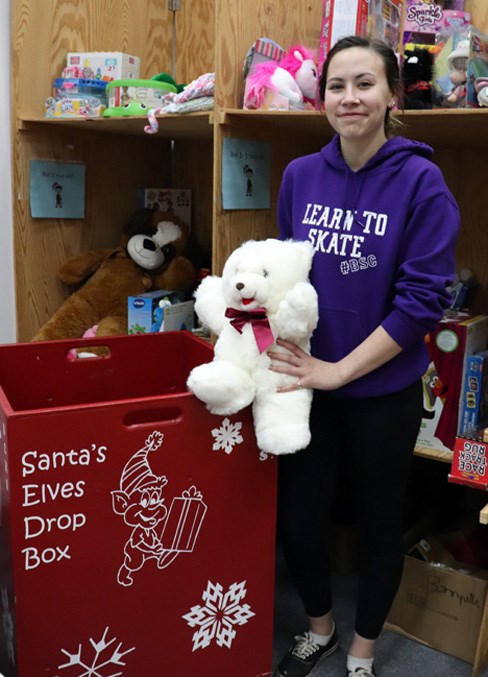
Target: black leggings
{"points": [[371, 441]]}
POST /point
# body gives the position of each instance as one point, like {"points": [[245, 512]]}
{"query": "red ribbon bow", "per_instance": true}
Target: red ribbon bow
{"points": [[259, 322]]}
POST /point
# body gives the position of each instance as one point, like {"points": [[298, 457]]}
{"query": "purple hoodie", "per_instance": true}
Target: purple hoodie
{"points": [[384, 240]]}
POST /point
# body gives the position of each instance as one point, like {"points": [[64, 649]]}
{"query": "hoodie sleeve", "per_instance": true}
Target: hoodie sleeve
{"points": [[426, 263]]}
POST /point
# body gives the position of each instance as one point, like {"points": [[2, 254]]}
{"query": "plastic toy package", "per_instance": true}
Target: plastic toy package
{"points": [[76, 106], [135, 97], [76, 97], [462, 68]]}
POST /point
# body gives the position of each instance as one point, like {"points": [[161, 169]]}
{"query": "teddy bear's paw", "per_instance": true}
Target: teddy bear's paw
{"points": [[298, 312], [224, 388], [283, 439]]}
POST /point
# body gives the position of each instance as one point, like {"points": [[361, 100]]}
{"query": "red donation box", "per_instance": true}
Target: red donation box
{"points": [[137, 530]]}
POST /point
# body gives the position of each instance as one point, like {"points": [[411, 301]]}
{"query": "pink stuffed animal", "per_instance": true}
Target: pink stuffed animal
{"points": [[294, 77]]}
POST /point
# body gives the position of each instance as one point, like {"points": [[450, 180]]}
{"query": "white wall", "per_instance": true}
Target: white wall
{"points": [[8, 328]]}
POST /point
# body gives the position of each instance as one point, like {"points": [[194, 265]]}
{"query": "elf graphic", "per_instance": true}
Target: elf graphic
{"points": [[140, 501]]}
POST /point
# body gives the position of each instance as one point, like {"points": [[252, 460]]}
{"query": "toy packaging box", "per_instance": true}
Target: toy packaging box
{"points": [[469, 464], [131, 96], [76, 97], [122, 502], [341, 18], [457, 335], [159, 310], [385, 21], [419, 23], [465, 52], [177, 201], [473, 404], [103, 65], [426, 22], [477, 82]]}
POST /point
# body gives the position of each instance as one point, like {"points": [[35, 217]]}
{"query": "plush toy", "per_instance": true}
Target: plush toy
{"points": [[417, 75], [149, 256], [263, 294], [294, 77]]}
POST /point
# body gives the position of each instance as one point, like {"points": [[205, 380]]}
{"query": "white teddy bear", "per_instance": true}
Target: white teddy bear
{"points": [[263, 294]]}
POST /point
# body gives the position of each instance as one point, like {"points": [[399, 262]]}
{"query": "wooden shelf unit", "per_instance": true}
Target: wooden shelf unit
{"points": [[211, 36]]}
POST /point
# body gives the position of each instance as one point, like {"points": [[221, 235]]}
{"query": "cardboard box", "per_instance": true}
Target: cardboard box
{"points": [[457, 335], [177, 201], [104, 65], [440, 606], [159, 310]]}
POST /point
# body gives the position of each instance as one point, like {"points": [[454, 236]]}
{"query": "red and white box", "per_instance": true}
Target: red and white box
{"points": [[105, 66], [339, 19], [140, 526], [470, 463]]}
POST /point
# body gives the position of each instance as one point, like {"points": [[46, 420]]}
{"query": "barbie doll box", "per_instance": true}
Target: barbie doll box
{"points": [[137, 530]]}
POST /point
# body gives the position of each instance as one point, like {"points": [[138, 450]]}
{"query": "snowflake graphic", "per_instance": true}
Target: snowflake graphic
{"points": [[219, 614], [227, 436], [101, 659]]}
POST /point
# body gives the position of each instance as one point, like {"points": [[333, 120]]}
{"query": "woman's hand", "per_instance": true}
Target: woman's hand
{"points": [[309, 371]]}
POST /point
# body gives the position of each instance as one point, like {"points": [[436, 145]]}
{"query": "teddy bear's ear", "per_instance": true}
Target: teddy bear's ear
{"points": [[304, 251], [142, 221], [81, 267]]}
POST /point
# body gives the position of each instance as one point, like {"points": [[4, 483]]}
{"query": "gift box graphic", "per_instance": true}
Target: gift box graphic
{"points": [[184, 520]]}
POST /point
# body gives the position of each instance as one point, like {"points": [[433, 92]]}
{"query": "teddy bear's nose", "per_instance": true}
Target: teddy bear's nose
{"points": [[239, 286], [149, 244]]}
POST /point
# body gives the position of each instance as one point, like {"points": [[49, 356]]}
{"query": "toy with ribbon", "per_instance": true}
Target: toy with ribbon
{"points": [[258, 321], [263, 294]]}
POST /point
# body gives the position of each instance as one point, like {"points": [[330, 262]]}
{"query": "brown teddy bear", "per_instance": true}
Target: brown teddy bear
{"points": [[150, 256]]}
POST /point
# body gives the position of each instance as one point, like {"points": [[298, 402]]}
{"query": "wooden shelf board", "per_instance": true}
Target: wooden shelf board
{"points": [[171, 126], [458, 126], [434, 454]]}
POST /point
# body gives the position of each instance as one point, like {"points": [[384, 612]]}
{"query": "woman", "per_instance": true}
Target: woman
{"points": [[384, 227]]}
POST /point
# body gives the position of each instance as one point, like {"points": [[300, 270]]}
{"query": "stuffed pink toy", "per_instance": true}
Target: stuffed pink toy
{"points": [[294, 77], [74, 354]]}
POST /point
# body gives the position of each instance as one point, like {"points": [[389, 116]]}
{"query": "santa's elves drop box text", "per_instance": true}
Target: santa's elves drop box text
{"points": [[137, 530]]}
